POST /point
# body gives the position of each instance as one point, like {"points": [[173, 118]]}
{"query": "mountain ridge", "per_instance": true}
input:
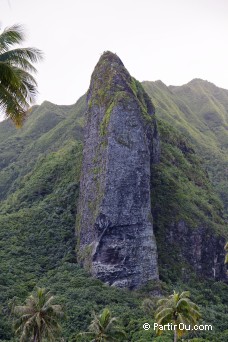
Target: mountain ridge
{"points": [[195, 112], [40, 169]]}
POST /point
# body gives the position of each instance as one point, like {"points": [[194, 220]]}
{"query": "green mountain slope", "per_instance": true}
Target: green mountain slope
{"points": [[39, 185], [39, 176], [49, 127], [198, 109]]}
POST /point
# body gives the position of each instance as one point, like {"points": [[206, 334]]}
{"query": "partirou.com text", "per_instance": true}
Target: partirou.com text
{"points": [[180, 326]]}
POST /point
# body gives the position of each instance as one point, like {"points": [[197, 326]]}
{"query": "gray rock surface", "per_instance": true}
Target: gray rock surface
{"points": [[115, 239], [201, 247]]}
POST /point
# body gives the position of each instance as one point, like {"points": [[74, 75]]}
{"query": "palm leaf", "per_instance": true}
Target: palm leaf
{"points": [[18, 87], [185, 294], [11, 36], [38, 317], [177, 308], [22, 58]]}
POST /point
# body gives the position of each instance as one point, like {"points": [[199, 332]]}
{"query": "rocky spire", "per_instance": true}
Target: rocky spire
{"points": [[115, 239]]}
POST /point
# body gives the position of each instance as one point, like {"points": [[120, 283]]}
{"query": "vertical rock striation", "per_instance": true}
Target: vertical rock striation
{"points": [[201, 247], [115, 239]]}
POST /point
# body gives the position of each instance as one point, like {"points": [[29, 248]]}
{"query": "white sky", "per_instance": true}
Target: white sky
{"points": [[171, 40]]}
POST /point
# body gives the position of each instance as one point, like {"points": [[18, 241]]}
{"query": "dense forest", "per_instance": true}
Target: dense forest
{"points": [[39, 186]]}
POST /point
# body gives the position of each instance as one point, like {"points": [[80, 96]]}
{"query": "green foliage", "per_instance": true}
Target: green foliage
{"points": [[38, 318], [39, 186], [226, 250], [199, 110], [181, 188], [17, 85], [105, 93], [104, 327], [80, 295], [181, 192], [143, 100], [176, 309]]}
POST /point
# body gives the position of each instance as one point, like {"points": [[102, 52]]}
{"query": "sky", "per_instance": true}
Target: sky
{"points": [[171, 40]]}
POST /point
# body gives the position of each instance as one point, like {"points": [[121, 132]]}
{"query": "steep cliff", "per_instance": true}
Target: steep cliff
{"points": [[199, 109], [114, 221], [39, 188], [188, 216]]}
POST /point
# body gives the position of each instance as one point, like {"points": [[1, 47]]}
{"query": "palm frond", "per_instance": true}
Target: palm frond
{"points": [[18, 87], [163, 313], [177, 308], [38, 317], [226, 259], [11, 107], [11, 36], [22, 57], [104, 327], [166, 318], [12, 58], [162, 301], [185, 294]]}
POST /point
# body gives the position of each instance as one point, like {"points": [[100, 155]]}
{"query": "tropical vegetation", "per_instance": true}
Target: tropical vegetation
{"points": [[18, 86], [104, 328], [226, 250], [39, 187], [178, 310], [198, 110], [38, 319]]}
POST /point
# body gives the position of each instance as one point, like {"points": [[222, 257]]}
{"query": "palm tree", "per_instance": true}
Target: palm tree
{"points": [[176, 309], [17, 85], [103, 328], [38, 318], [226, 250]]}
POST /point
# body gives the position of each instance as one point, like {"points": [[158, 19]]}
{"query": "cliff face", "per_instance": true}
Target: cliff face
{"points": [[201, 248], [115, 239], [188, 217]]}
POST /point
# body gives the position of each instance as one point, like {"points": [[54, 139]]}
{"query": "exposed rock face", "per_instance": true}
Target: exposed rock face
{"points": [[114, 222], [201, 248]]}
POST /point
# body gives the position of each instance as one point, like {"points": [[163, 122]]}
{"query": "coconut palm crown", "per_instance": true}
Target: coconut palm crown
{"points": [[104, 328], [38, 318], [176, 309], [17, 85]]}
